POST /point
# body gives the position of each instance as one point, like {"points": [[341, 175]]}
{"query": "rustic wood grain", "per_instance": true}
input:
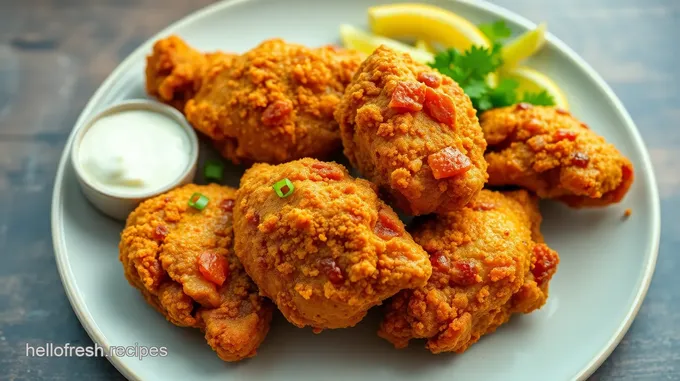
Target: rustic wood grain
{"points": [[53, 55]]}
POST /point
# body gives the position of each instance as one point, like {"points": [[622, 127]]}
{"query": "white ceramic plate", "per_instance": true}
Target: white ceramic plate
{"points": [[606, 263]]}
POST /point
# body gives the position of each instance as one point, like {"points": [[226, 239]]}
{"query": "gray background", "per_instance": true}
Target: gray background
{"points": [[54, 54]]}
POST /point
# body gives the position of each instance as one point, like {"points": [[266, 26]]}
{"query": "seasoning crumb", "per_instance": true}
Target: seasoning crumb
{"points": [[627, 213]]}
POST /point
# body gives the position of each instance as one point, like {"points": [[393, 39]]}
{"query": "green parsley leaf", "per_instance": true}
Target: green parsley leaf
{"points": [[476, 89], [505, 93], [479, 62], [496, 31], [484, 104], [541, 98], [471, 68]]}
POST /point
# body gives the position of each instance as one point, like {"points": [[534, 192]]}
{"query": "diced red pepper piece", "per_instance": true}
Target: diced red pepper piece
{"points": [[440, 107], [408, 96], [430, 79], [276, 112], [328, 171], [545, 265], [332, 271], [563, 134], [227, 205], [580, 159], [483, 206], [387, 227], [160, 232], [523, 106], [448, 162], [465, 273], [440, 262], [213, 267]]}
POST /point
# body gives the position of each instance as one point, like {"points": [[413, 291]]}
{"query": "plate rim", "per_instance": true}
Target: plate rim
{"points": [[87, 321]]}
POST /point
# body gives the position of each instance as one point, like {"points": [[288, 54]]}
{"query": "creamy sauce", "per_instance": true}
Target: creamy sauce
{"points": [[134, 152]]}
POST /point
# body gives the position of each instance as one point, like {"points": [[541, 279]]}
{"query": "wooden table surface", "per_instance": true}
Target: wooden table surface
{"points": [[54, 54]]}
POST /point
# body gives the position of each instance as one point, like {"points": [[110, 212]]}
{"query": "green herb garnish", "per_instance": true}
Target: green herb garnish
{"points": [[472, 67], [198, 201], [283, 188], [213, 170]]}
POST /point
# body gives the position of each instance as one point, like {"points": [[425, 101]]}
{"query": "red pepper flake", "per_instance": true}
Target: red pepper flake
{"points": [[465, 273], [328, 171], [523, 106], [430, 79], [227, 205], [213, 267], [545, 264], [448, 162], [563, 134], [580, 159], [160, 232], [483, 206], [253, 218], [276, 112], [561, 111], [157, 273], [440, 107], [408, 96], [440, 262], [332, 271], [387, 227]]}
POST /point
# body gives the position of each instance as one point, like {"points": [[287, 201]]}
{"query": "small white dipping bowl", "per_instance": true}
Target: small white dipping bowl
{"points": [[118, 205]]}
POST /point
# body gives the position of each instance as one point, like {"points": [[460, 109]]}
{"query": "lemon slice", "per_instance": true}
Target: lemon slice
{"points": [[424, 46], [357, 39], [523, 47], [534, 81], [425, 22]]}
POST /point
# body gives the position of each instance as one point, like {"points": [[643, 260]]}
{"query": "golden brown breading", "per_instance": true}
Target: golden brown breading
{"points": [[414, 133], [174, 70], [160, 249], [274, 103], [329, 251], [489, 261], [551, 153]]}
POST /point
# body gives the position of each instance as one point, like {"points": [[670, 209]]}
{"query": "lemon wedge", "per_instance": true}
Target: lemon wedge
{"points": [[523, 47], [357, 39], [425, 22], [534, 81], [424, 46]]}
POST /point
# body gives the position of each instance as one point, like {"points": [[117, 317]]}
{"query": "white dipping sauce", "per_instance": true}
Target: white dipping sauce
{"points": [[134, 152]]}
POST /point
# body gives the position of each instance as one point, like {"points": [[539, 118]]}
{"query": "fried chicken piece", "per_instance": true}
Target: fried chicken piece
{"points": [[489, 261], [329, 251], [548, 151], [177, 256], [174, 70], [414, 133], [274, 103]]}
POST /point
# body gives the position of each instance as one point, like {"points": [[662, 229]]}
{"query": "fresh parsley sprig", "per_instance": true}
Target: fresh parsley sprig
{"points": [[472, 67]]}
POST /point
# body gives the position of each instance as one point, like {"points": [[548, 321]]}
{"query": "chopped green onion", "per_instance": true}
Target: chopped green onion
{"points": [[198, 201], [213, 170], [283, 188]]}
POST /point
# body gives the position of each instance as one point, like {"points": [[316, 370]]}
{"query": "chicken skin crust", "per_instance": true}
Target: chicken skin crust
{"points": [[551, 153], [329, 251], [274, 103], [414, 133], [488, 262], [161, 249], [174, 70]]}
